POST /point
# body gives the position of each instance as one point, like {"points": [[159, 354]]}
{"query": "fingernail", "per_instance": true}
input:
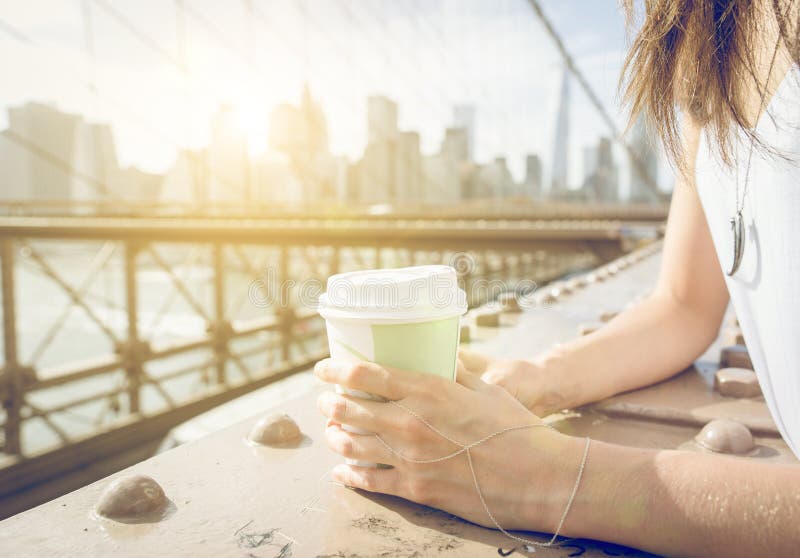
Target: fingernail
{"points": [[324, 397], [339, 473], [320, 366], [322, 400]]}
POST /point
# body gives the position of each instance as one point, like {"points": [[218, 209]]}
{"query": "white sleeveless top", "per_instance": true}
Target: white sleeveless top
{"points": [[765, 292]]}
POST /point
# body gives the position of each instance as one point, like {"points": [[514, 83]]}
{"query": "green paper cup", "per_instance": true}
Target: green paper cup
{"points": [[406, 318]]}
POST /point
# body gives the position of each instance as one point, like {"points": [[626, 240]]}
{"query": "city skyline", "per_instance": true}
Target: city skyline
{"points": [[493, 57], [392, 168]]}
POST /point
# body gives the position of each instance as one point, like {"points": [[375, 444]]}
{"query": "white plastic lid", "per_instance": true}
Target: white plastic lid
{"points": [[425, 292]]}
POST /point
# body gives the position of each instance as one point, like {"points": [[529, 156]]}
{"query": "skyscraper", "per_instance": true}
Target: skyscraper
{"points": [[558, 176], [50, 132], [600, 172], [381, 119], [49, 154], [314, 123], [455, 145], [441, 180], [589, 162], [378, 180], [187, 179], [532, 187], [494, 180], [228, 159], [301, 134], [94, 155], [464, 117], [408, 168], [645, 165]]}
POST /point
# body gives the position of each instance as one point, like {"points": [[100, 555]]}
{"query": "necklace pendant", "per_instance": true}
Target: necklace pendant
{"points": [[737, 227]]}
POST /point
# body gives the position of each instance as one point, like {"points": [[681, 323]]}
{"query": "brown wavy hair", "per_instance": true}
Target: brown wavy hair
{"points": [[700, 57]]}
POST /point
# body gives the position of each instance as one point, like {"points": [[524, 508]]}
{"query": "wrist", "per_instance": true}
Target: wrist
{"points": [[559, 389], [545, 507], [613, 499]]}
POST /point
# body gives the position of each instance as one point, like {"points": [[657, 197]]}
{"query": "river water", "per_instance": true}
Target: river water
{"points": [[164, 316]]}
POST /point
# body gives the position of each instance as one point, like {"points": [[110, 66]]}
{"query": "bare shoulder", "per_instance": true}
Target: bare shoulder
{"points": [[691, 131]]}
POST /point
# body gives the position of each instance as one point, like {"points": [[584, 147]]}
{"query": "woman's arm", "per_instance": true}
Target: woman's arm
{"points": [[668, 502], [645, 344], [688, 504]]}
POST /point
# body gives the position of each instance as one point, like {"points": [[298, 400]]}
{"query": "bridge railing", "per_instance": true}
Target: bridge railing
{"points": [[116, 330], [522, 209]]}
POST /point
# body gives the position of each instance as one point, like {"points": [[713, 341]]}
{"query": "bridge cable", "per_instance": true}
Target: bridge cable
{"points": [[638, 165]]}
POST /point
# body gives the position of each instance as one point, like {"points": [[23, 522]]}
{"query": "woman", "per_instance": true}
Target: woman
{"points": [[730, 70]]}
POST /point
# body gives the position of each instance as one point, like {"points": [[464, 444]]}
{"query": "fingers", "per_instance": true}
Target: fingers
{"points": [[496, 376], [468, 379], [389, 383], [371, 479], [474, 362], [362, 447], [372, 416], [389, 481]]}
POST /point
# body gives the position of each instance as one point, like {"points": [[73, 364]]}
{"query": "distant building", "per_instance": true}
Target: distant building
{"points": [[441, 180], [353, 186], [493, 180], [408, 168], [37, 153], [589, 162], [134, 184], [464, 117], [643, 145], [277, 182], [228, 160], [600, 172], [301, 132], [455, 146], [16, 183], [187, 180], [505, 186], [558, 178], [95, 156], [378, 180], [532, 185], [381, 120], [392, 169], [46, 154], [286, 131]]}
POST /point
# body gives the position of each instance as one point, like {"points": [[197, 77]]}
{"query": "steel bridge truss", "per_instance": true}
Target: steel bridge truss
{"points": [[244, 301]]}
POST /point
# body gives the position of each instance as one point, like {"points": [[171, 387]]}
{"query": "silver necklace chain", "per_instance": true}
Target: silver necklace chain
{"points": [[737, 221], [465, 448], [740, 207], [761, 107]]}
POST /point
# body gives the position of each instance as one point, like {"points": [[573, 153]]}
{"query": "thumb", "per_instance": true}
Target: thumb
{"points": [[475, 362], [468, 378]]}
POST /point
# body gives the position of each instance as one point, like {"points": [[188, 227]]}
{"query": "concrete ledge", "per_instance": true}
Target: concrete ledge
{"points": [[229, 498]]}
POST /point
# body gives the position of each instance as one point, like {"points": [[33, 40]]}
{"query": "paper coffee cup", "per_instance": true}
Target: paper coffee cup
{"points": [[407, 318]]}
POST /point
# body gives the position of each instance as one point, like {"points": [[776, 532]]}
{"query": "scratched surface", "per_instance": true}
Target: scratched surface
{"points": [[231, 499]]}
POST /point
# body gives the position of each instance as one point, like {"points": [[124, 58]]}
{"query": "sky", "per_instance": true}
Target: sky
{"points": [[157, 74]]}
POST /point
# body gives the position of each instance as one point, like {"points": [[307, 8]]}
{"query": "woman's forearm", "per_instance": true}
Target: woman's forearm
{"points": [[666, 332], [687, 504], [643, 345]]}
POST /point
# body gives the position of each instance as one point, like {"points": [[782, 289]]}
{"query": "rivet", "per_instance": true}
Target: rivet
{"points": [[275, 429], [131, 497]]}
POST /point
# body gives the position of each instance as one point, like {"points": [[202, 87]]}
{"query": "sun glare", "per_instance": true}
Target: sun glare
{"points": [[252, 120]]}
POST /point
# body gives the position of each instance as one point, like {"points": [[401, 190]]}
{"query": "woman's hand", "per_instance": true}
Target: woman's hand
{"points": [[535, 384], [525, 475]]}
